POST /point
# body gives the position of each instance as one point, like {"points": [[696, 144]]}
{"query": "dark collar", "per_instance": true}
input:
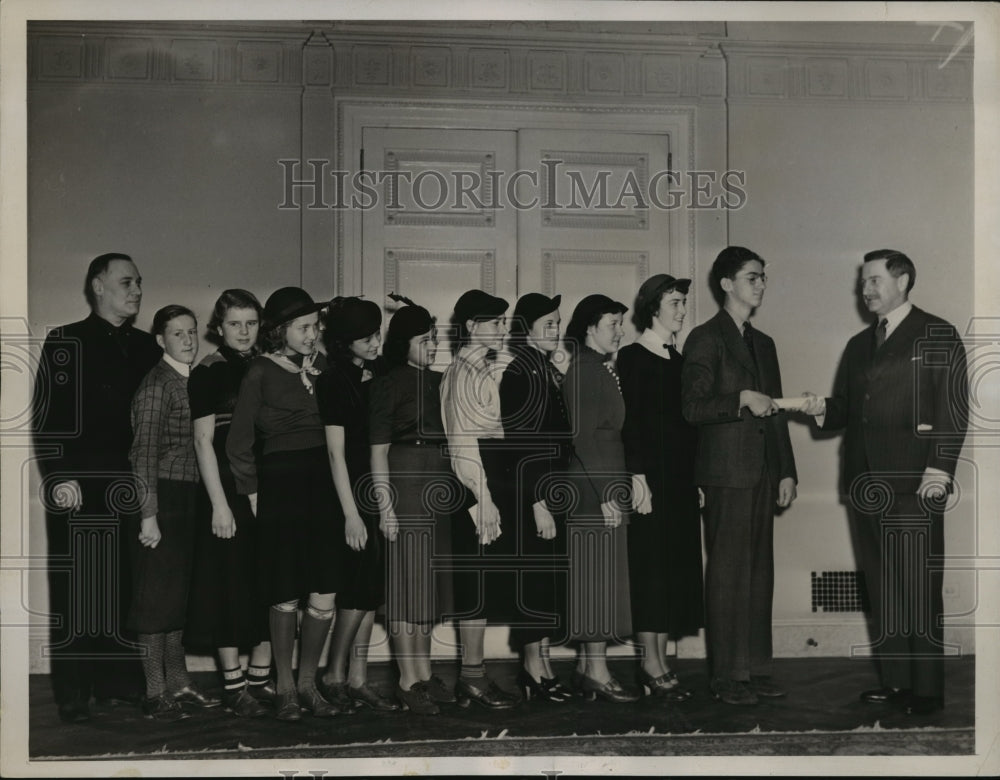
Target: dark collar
{"points": [[233, 356]]}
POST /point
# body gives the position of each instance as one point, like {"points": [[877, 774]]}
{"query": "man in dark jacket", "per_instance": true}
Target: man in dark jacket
{"points": [[745, 467], [83, 391], [901, 392]]}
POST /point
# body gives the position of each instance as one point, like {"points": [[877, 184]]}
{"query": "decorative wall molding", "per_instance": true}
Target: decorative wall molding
{"points": [[394, 257], [551, 258], [214, 55], [839, 73]]}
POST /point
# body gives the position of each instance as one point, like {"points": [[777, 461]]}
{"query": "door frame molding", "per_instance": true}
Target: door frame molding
{"points": [[679, 121]]}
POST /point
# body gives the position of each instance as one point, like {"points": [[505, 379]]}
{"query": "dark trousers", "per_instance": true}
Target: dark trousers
{"points": [[901, 554], [89, 580], [739, 579]]}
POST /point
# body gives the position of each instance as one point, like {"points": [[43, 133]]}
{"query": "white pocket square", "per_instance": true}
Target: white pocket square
{"points": [[923, 427]]}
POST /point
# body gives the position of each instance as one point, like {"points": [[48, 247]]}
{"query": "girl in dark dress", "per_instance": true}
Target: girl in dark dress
{"points": [[226, 611], [664, 534], [537, 440], [414, 487], [291, 493], [352, 337], [599, 585], [166, 470]]}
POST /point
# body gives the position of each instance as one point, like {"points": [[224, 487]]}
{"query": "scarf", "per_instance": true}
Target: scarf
{"points": [[307, 367]]}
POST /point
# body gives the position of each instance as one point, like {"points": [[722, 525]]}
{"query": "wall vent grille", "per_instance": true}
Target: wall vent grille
{"points": [[839, 591]]}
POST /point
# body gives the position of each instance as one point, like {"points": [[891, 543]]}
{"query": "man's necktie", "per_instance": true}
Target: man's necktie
{"points": [[880, 332], [748, 339]]}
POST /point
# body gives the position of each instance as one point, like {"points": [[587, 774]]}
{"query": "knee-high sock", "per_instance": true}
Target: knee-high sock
{"points": [[152, 664], [314, 631], [173, 661], [283, 645]]}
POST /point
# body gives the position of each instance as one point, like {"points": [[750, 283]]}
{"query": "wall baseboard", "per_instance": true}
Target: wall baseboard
{"points": [[792, 639]]}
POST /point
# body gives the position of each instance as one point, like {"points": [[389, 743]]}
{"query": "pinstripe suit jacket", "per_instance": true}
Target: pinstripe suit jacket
{"points": [[904, 406]]}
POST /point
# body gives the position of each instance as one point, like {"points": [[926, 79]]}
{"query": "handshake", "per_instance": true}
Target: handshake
{"points": [[761, 405]]}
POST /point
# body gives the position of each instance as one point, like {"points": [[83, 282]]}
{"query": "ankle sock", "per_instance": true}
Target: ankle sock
{"points": [[473, 671], [258, 676], [233, 679]]}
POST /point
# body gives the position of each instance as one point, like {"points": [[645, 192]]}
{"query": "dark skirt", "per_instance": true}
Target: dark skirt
{"points": [[665, 563], [161, 575], [226, 607], [301, 542], [363, 571], [418, 577], [486, 577], [599, 601], [543, 564]]}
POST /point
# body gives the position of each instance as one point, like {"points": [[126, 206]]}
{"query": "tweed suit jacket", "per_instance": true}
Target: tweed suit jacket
{"points": [[904, 406], [734, 447]]}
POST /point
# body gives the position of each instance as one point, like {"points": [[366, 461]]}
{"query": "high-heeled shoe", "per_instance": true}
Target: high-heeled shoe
{"points": [[666, 686], [546, 688], [612, 690]]}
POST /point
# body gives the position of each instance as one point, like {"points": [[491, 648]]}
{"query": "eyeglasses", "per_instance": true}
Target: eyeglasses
{"points": [[754, 279]]}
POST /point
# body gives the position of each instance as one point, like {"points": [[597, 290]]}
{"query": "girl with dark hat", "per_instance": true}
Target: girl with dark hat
{"points": [[226, 611], [352, 336], [538, 436], [470, 408], [664, 532], [290, 491], [414, 485], [599, 584], [166, 470]]}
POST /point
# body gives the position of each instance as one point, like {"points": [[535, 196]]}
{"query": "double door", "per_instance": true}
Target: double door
{"points": [[510, 212]]}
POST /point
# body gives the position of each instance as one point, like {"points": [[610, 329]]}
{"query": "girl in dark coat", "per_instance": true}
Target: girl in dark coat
{"points": [[537, 440]]}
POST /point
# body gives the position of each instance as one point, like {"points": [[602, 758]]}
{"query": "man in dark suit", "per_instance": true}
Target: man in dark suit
{"points": [[745, 466], [83, 392], [901, 392]]}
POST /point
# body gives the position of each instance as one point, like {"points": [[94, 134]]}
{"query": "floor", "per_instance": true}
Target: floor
{"points": [[822, 700]]}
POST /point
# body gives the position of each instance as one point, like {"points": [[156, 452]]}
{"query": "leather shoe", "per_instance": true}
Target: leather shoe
{"points": [[336, 694], [485, 693], [163, 707], [612, 690], [924, 705], [74, 712], [886, 696], [191, 694], [369, 697], [312, 701], [762, 686], [417, 700], [732, 692], [439, 692], [243, 705], [287, 706], [266, 693]]}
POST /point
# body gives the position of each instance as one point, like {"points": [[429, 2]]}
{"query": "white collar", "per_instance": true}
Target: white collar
{"points": [[184, 369], [896, 316], [654, 343]]}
